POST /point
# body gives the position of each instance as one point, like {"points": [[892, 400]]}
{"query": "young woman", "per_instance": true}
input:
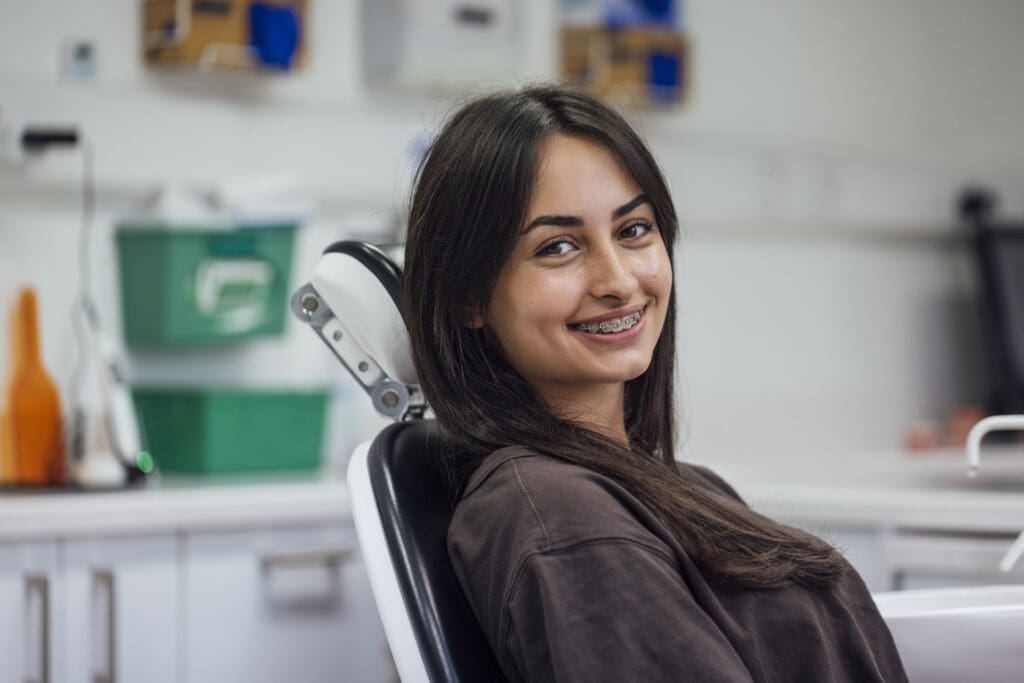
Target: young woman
{"points": [[539, 299]]}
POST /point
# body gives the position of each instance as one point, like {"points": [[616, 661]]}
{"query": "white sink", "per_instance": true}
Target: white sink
{"points": [[958, 634]]}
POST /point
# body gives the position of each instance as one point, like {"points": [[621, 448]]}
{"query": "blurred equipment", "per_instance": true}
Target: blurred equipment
{"points": [[1000, 250], [110, 452], [202, 266], [196, 287], [209, 266], [79, 61], [415, 44], [213, 430], [225, 34], [625, 51], [33, 448], [107, 453], [21, 139]]}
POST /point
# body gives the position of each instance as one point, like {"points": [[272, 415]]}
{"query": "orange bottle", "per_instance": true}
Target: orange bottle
{"points": [[32, 441]]}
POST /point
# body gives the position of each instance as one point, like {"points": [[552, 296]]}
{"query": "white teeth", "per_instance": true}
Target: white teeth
{"points": [[617, 325]]}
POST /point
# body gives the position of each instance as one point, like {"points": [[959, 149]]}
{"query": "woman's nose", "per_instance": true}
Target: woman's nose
{"points": [[611, 274]]}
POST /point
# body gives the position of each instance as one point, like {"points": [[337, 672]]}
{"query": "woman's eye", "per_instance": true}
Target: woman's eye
{"points": [[557, 248], [635, 230]]}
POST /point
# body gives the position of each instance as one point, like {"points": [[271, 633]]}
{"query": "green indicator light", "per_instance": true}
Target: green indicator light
{"points": [[144, 461]]}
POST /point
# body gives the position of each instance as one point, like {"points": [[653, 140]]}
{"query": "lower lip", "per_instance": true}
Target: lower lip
{"points": [[617, 337]]}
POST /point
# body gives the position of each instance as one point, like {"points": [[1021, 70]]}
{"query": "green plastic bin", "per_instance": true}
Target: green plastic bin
{"points": [[232, 430], [203, 287]]}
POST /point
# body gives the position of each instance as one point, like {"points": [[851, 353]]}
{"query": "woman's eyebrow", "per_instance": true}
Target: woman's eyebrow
{"points": [[630, 205], [576, 221]]}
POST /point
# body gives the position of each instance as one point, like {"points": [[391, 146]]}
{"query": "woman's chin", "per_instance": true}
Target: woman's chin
{"points": [[628, 372]]}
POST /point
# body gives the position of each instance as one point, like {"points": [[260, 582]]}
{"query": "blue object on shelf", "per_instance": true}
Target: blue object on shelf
{"points": [[664, 72], [273, 34]]}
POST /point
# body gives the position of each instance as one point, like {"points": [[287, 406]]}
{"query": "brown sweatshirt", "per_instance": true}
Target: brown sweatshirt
{"points": [[573, 579]]}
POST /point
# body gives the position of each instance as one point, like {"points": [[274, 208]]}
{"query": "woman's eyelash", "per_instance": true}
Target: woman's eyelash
{"points": [[546, 250], [638, 224]]}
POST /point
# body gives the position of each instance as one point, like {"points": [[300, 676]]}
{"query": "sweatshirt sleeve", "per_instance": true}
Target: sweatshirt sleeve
{"points": [[611, 610]]}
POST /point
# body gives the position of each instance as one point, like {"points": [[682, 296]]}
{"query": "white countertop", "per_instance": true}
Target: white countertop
{"points": [[177, 503], [859, 489], [888, 488]]}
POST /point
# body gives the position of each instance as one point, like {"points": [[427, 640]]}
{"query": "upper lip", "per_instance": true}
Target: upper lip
{"points": [[611, 315]]}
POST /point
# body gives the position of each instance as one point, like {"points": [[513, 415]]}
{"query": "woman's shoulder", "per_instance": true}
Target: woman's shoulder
{"points": [[540, 503], [708, 479], [550, 501]]}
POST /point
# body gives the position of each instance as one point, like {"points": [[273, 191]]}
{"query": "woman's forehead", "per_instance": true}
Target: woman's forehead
{"points": [[573, 169]]}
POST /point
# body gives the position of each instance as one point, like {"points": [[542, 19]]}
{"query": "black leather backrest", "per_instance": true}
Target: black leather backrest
{"points": [[415, 507]]}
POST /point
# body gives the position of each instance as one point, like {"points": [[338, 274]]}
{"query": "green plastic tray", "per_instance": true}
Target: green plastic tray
{"points": [[232, 430], [203, 287]]}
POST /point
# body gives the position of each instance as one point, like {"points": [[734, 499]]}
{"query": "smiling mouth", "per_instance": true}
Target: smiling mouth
{"points": [[614, 325]]}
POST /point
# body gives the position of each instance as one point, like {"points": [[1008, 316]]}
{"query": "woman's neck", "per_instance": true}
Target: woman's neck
{"points": [[599, 407]]}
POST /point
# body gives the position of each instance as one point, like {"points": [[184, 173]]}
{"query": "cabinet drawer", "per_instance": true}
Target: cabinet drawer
{"points": [[282, 604]]}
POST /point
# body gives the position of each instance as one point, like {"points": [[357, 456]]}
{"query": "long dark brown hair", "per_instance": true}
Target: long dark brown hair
{"points": [[470, 200]]}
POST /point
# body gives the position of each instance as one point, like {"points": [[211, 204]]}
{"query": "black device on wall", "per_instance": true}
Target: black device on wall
{"points": [[1000, 251]]}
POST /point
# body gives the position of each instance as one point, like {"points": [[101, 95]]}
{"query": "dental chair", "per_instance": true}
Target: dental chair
{"points": [[401, 506]]}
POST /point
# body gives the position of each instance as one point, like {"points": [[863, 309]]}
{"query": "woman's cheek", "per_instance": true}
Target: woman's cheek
{"points": [[649, 268], [660, 270], [559, 294]]}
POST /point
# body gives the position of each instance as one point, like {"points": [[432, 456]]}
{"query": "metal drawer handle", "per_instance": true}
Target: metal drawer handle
{"points": [[331, 558], [40, 584], [103, 580]]}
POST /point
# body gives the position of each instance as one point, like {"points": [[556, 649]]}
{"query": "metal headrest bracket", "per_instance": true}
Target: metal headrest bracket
{"points": [[390, 397]]}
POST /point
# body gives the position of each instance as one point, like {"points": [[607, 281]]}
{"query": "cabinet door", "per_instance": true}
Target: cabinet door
{"points": [[28, 629], [280, 605], [120, 610]]}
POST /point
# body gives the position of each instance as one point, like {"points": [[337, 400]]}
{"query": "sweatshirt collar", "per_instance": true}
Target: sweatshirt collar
{"points": [[493, 462]]}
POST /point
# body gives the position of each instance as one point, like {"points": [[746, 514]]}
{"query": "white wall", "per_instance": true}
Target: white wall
{"points": [[938, 79], [821, 277]]}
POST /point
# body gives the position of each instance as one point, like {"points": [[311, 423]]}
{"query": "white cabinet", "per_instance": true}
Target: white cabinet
{"points": [[120, 610], [930, 559], [904, 559], [28, 630], [280, 605], [253, 606], [97, 611], [187, 585]]}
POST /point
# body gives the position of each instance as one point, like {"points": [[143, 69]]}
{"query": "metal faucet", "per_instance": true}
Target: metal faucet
{"points": [[992, 424]]}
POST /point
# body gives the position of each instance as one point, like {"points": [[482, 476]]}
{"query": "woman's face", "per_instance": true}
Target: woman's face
{"points": [[582, 299]]}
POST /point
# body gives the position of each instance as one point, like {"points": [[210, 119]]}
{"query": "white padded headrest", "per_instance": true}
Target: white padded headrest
{"points": [[366, 306]]}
